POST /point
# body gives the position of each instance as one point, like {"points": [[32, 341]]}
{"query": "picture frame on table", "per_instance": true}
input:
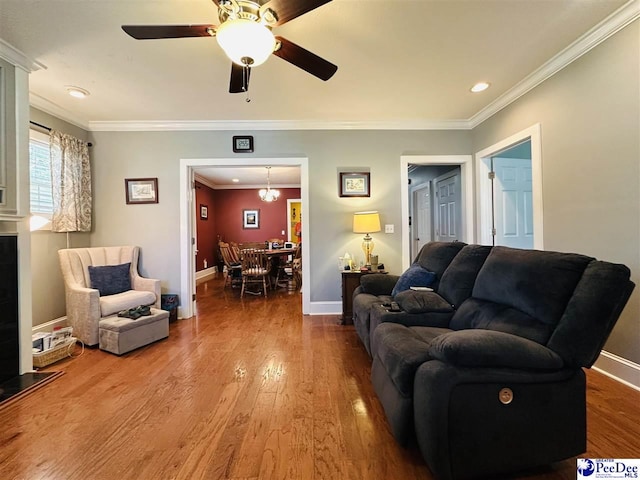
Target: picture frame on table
{"points": [[355, 184], [251, 218], [141, 190]]}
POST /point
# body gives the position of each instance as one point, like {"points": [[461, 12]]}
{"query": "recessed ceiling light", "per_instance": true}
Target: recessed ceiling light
{"points": [[480, 87], [77, 92], [235, 180]]}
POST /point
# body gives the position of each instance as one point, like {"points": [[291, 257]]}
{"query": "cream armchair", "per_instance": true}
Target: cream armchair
{"points": [[85, 305]]}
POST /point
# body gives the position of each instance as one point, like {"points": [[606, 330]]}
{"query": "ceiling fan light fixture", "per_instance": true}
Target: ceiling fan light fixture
{"points": [[246, 42]]}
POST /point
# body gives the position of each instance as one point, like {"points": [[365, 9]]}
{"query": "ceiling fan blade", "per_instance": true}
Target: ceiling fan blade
{"points": [[289, 9], [239, 81], [304, 59], [151, 32]]}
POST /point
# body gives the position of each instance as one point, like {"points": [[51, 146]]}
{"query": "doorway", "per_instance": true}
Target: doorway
{"points": [[466, 196], [527, 225], [188, 208]]}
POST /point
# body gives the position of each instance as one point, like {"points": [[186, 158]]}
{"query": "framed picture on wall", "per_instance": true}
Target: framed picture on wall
{"points": [[251, 218], [141, 190], [204, 212], [354, 184]]}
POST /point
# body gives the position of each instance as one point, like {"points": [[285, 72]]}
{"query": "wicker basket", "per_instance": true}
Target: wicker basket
{"points": [[54, 354]]}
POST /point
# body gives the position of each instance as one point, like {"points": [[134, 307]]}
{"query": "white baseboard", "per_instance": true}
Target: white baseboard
{"points": [[49, 326], [325, 308], [205, 274], [618, 368]]}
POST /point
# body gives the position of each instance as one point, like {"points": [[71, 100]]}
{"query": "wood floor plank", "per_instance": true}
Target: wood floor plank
{"points": [[246, 389]]}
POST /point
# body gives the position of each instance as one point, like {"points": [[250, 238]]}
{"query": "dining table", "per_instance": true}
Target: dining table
{"points": [[272, 254]]}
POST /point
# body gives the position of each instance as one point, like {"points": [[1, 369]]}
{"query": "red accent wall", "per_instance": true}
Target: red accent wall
{"points": [[207, 244], [229, 208]]}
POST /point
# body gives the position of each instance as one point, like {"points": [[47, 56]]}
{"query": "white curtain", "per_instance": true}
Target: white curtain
{"points": [[71, 182]]}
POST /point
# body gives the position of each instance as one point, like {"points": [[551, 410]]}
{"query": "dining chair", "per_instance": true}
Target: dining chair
{"points": [[286, 269], [232, 264], [255, 270]]}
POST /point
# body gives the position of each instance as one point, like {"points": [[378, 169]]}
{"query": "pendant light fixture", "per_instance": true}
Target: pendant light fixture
{"points": [[269, 194]]}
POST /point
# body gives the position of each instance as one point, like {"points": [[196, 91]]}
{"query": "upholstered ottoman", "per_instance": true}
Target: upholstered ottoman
{"points": [[121, 335]]}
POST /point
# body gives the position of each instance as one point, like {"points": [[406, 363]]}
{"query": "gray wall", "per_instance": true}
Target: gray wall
{"points": [[155, 227], [47, 285], [590, 122]]}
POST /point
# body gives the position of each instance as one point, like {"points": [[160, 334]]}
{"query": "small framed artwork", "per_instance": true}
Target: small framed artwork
{"points": [[141, 190], [204, 212], [251, 219], [355, 184], [243, 144]]}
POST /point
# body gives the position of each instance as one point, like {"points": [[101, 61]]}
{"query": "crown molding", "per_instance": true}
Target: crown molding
{"points": [[15, 57], [598, 34], [57, 111], [251, 125]]}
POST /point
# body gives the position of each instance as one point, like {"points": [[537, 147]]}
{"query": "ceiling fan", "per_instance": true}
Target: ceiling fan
{"points": [[245, 35]]}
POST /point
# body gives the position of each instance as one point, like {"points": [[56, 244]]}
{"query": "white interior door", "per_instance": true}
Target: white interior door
{"points": [[421, 227], [513, 202], [448, 215]]}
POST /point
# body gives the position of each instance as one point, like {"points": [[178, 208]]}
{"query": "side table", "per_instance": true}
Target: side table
{"points": [[350, 281]]}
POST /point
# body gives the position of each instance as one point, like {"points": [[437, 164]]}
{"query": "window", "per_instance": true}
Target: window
{"points": [[41, 197]]}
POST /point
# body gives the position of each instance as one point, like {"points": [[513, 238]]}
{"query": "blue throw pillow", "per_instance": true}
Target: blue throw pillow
{"points": [[110, 279], [414, 276]]}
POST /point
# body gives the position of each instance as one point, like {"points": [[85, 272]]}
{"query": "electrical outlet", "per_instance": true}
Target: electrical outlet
{"points": [[282, 232], [388, 229]]}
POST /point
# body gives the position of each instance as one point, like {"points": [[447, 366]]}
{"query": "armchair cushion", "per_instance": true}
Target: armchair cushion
{"points": [[110, 279], [412, 301], [487, 348], [414, 276]]}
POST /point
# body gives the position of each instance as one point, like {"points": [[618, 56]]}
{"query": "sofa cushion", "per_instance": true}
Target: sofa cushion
{"points": [[537, 283], [459, 278], [378, 283], [436, 257], [402, 350], [475, 313], [414, 276], [412, 301], [110, 279], [111, 304]]}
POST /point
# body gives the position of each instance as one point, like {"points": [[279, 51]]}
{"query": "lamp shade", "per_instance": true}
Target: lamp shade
{"points": [[366, 222], [245, 42]]}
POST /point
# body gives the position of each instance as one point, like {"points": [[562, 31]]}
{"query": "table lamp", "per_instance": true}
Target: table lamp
{"points": [[366, 222]]}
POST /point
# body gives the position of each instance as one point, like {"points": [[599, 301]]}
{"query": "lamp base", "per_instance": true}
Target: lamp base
{"points": [[367, 248]]}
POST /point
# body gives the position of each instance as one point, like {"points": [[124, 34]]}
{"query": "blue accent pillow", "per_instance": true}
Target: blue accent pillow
{"points": [[414, 276], [110, 279]]}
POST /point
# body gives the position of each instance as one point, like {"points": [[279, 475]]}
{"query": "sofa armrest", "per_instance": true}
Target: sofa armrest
{"points": [[147, 285], [378, 283], [83, 312], [488, 348]]}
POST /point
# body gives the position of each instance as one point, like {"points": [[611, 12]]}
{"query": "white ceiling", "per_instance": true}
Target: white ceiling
{"points": [[402, 61]]}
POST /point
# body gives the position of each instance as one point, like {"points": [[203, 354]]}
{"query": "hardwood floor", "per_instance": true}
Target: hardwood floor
{"points": [[246, 389]]}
